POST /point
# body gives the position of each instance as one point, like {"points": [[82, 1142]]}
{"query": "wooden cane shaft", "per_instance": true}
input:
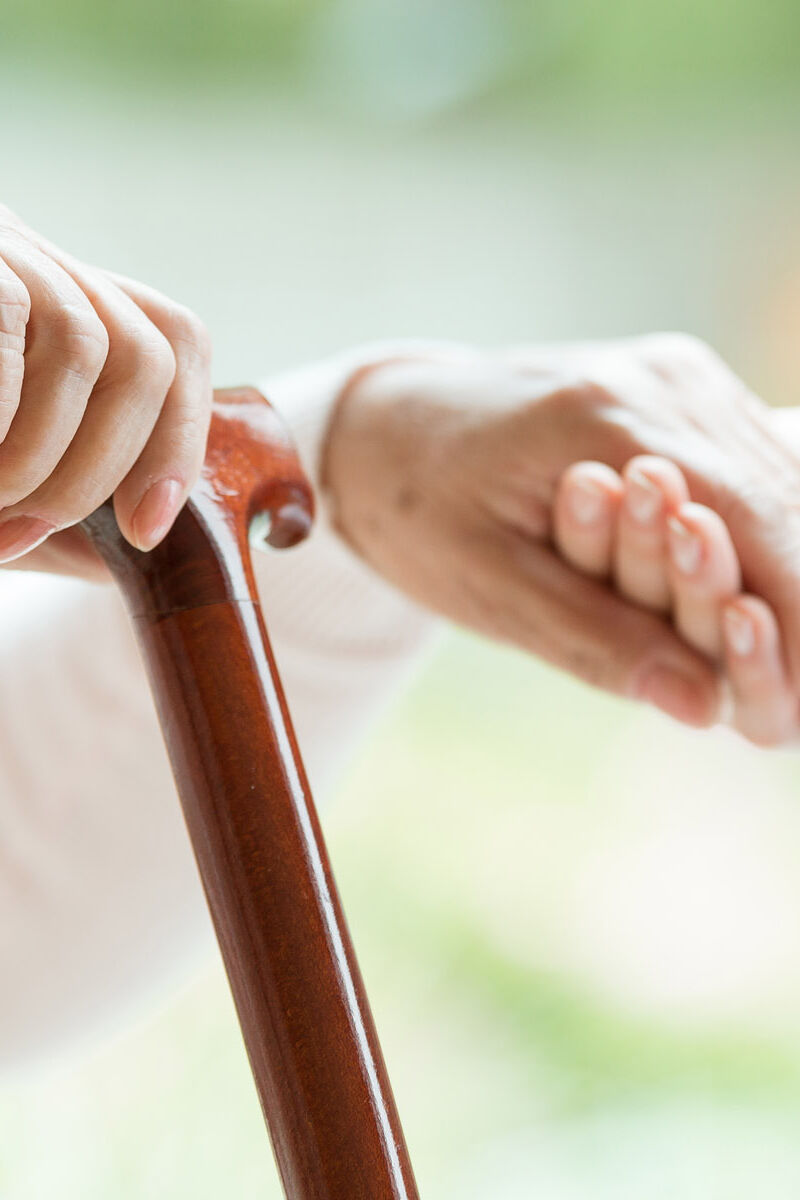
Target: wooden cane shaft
{"points": [[304, 1015], [308, 1031]]}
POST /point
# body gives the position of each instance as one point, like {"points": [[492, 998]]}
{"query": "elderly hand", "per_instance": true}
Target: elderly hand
{"points": [[104, 390], [443, 474]]}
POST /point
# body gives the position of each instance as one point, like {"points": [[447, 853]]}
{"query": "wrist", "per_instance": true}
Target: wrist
{"points": [[389, 421]]}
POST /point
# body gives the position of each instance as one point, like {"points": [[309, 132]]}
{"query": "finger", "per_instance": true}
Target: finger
{"points": [[523, 593], [67, 552], [15, 309], [124, 407], [151, 495], [704, 573], [765, 706], [585, 516], [654, 488], [66, 346], [752, 482]]}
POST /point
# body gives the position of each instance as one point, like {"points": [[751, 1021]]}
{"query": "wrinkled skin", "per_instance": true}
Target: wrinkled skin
{"points": [[104, 391], [443, 475], [442, 470]]}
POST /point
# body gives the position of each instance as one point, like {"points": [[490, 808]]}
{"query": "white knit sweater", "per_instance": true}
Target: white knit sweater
{"points": [[100, 902]]}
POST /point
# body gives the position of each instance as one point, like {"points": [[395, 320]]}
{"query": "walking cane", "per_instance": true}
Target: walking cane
{"points": [[306, 1023]]}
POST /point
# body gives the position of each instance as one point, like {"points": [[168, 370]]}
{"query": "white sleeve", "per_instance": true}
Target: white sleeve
{"points": [[99, 898]]}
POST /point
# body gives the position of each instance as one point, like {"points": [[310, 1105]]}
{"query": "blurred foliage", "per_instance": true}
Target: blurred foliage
{"points": [[202, 33], [451, 51]]}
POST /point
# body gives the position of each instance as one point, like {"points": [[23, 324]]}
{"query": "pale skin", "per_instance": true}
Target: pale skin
{"points": [[105, 390], [446, 473], [449, 478], [640, 531]]}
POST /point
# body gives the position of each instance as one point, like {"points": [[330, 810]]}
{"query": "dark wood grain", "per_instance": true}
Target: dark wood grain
{"points": [[304, 1016]]}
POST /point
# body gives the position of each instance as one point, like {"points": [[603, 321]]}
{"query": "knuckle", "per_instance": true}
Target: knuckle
{"points": [[80, 340], [157, 361], [583, 399], [15, 305], [187, 330], [588, 413], [589, 394], [144, 359]]}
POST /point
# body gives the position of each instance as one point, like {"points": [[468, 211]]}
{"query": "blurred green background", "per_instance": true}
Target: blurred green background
{"points": [[580, 927]]}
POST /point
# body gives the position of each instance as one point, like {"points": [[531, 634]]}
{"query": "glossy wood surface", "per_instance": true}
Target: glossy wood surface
{"points": [[304, 1016]]}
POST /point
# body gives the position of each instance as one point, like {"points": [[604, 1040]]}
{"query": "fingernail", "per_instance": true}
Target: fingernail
{"points": [[18, 535], [685, 697], [739, 631], [685, 547], [155, 513], [642, 497], [587, 501]]}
